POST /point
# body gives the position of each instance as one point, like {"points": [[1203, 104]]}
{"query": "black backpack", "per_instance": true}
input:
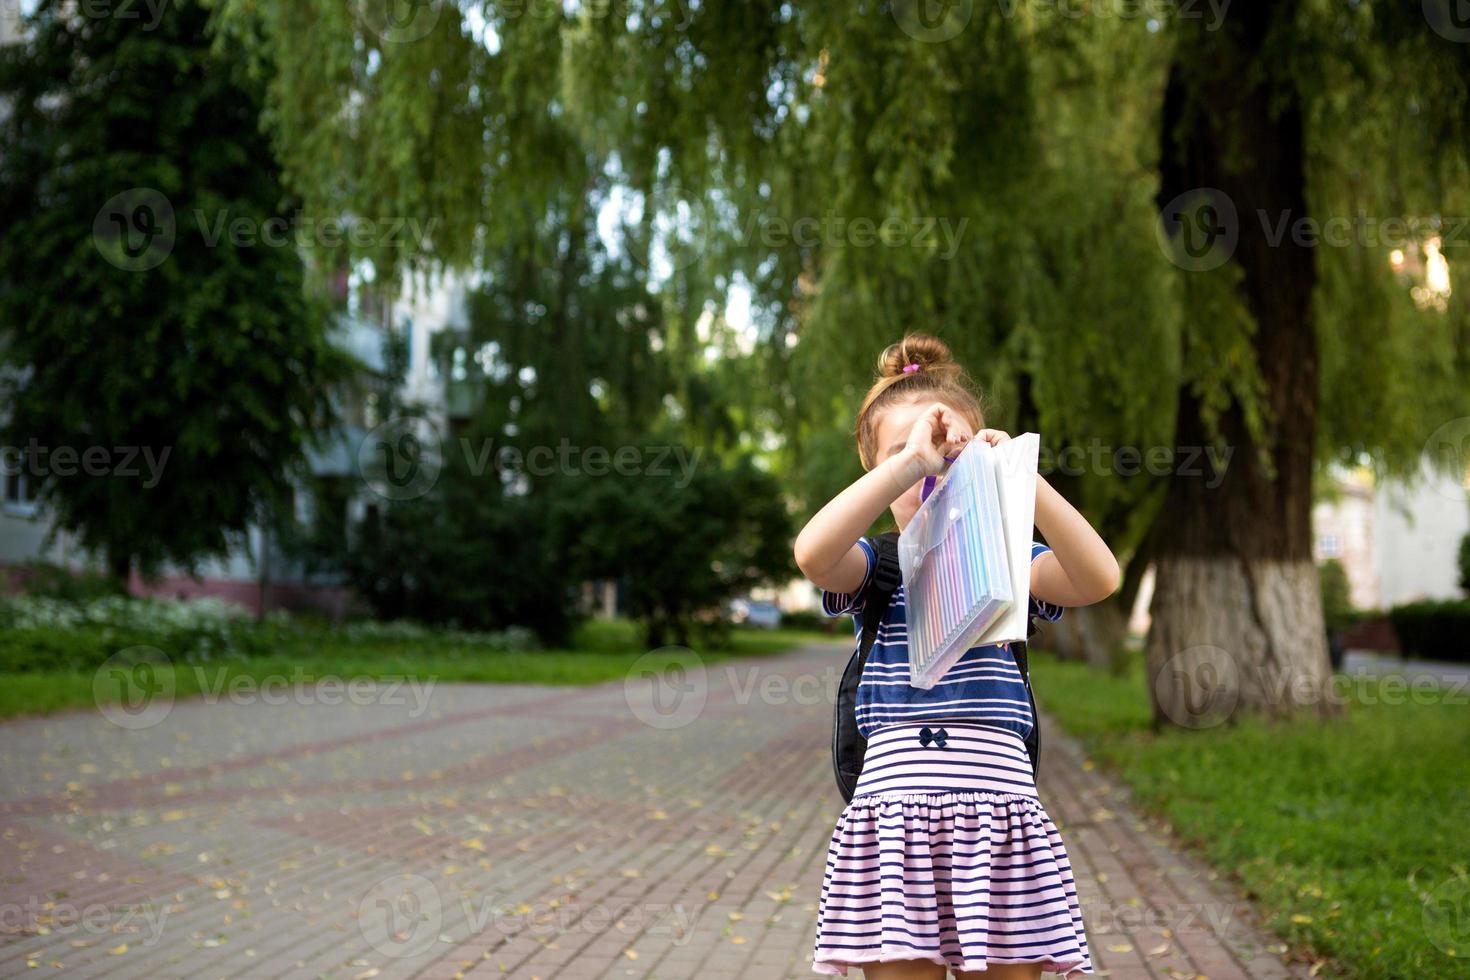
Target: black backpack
{"points": [[848, 744]]}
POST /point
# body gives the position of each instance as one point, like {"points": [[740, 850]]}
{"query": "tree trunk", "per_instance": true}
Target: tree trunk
{"points": [[1093, 634], [120, 566], [1098, 634], [1236, 615]]}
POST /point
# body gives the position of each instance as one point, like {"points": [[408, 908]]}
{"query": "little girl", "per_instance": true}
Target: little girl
{"points": [[944, 859]]}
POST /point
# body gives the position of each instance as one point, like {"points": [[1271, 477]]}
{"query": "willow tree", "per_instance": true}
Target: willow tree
{"points": [[1290, 134], [995, 175]]}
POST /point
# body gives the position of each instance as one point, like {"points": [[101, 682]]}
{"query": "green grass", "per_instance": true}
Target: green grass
{"points": [[602, 651], [1351, 834]]}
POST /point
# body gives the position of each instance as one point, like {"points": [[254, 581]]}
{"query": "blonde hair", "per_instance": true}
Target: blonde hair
{"points": [[933, 374]]}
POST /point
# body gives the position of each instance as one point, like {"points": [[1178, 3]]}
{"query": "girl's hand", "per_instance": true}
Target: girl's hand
{"points": [[938, 433], [995, 437]]}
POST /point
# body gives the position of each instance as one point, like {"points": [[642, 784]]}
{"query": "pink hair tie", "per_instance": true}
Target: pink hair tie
{"points": [[910, 368]]}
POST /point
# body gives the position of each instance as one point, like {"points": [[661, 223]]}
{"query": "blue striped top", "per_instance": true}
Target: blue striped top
{"points": [[984, 685]]}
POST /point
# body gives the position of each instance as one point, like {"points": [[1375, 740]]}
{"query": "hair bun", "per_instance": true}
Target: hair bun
{"points": [[927, 351]]}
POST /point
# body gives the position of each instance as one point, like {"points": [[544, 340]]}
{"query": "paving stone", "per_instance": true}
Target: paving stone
{"points": [[613, 831]]}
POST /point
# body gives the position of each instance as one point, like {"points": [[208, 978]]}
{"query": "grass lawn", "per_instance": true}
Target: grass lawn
{"points": [[602, 651], [1352, 835]]}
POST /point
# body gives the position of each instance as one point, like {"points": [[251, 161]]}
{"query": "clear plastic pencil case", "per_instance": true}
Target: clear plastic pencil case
{"points": [[966, 554]]}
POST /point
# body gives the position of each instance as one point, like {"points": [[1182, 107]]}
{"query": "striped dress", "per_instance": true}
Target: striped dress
{"points": [[945, 852]]}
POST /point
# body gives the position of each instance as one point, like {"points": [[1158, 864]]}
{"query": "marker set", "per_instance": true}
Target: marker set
{"points": [[958, 559]]}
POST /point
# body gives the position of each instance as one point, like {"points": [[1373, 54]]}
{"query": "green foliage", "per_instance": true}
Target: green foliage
{"points": [[201, 375], [1337, 603], [1289, 811], [810, 619], [1435, 630], [709, 131], [44, 633], [463, 556], [600, 651], [48, 581], [681, 544]]}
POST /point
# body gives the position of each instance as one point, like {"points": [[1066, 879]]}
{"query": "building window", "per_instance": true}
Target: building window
{"points": [[20, 495], [1328, 546]]}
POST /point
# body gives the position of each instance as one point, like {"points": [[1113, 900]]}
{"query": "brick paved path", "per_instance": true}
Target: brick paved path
{"points": [[665, 829]]}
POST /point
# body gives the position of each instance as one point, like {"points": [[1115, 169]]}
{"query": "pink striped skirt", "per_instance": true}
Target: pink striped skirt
{"points": [[946, 854]]}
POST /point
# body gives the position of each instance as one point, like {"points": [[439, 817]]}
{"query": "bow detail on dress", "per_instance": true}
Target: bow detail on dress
{"points": [[935, 735]]}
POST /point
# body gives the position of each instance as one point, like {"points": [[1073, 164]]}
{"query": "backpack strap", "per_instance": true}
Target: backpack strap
{"points": [[1018, 653], [887, 576]]}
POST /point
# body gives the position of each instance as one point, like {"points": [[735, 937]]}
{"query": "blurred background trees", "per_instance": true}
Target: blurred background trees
{"points": [[132, 318], [697, 225]]}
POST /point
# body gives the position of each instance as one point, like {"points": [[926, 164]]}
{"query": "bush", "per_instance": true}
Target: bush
{"points": [[39, 634], [45, 580], [808, 619], [51, 634], [682, 545], [1337, 604], [1433, 630], [464, 557]]}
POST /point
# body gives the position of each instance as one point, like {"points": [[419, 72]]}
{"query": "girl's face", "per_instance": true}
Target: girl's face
{"points": [[892, 432]]}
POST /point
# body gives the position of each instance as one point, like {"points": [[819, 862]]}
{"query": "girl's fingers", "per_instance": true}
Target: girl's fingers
{"points": [[994, 437]]}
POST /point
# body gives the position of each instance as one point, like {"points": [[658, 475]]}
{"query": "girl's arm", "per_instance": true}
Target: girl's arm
{"points": [[1080, 569], [827, 551]]}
